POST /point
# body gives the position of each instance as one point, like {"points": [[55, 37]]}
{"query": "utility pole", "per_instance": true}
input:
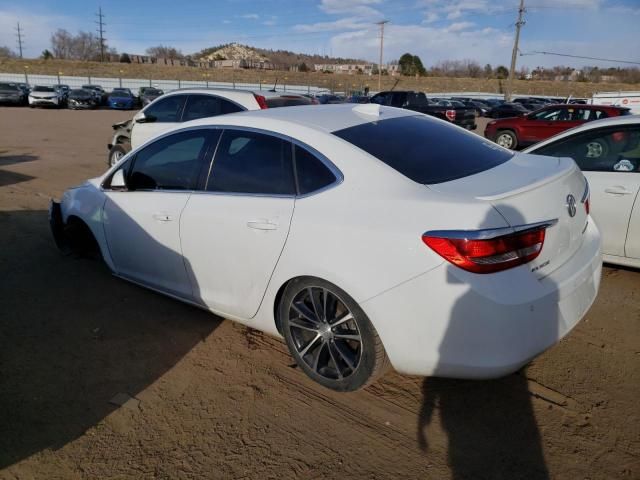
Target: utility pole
{"points": [[514, 54], [19, 36], [101, 32], [381, 23]]}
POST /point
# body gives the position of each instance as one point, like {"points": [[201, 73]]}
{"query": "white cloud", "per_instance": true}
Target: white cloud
{"points": [[460, 26], [226, 22], [431, 17], [337, 25], [250, 16], [351, 7]]}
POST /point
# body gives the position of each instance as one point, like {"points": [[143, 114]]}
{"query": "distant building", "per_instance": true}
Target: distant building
{"points": [[354, 68]]}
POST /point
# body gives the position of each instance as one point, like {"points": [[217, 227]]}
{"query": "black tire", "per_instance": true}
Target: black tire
{"points": [[507, 139], [356, 363], [117, 152]]}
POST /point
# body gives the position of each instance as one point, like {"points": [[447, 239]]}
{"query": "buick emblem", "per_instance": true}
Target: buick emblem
{"points": [[571, 205]]}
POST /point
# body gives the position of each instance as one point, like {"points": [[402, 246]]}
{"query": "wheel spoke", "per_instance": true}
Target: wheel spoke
{"points": [[309, 345], [350, 336], [345, 318], [296, 324], [344, 356], [316, 357], [316, 308], [307, 314], [335, 362], [324, 304]]}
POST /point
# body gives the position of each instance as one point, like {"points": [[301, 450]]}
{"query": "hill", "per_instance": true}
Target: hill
{"points": [[286, 58]]}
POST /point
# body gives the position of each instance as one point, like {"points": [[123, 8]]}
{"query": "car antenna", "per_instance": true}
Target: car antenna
{"points": [[274, 86], [394, 85]]}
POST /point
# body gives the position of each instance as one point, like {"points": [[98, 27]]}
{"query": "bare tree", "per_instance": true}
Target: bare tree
{"points": [[83, 46], [162, 51], [61, 43], [6, 52]]}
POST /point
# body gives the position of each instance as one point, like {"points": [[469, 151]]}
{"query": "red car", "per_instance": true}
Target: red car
{"points": [[544, 123]]}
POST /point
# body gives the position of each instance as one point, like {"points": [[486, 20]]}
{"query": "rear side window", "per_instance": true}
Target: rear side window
{"points": [[287, 101], [202, 106], [424, 149], [168, 109], [252, 162], [311, 172]]}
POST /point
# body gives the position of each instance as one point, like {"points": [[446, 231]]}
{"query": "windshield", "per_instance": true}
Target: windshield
{"points": [[152, 91], [79, 93], [424, 149], [43, 89], [120, 94]]}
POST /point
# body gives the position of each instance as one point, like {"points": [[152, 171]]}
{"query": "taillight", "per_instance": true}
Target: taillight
{"points": [[451, 115], [262, 102], [487, 255]]}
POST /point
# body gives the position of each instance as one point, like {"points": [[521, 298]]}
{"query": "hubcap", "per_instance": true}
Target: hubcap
{"points": [[115, 157], [505, 141], [325, 333]]}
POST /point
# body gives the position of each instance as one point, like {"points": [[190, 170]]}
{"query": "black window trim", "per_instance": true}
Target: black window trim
{"points": [[208, 160], [166, 97], [189, 95]]}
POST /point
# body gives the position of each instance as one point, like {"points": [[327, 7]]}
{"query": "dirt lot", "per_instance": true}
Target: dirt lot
{"points": [[205, 398]]}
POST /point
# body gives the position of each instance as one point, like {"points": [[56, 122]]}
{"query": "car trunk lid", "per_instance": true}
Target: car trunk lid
{"points": [[529, 189]]}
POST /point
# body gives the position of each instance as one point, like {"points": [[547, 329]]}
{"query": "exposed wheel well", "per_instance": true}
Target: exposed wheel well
{"points": [[81, 238], [276, 304]]}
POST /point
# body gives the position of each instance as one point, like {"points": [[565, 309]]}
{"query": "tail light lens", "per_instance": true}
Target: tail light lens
{"points": [[487, 255], [451, 115], [262, 102]]}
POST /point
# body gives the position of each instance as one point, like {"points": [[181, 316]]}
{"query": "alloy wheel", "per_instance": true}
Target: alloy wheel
{"points": [[505, 140], [325, 333]]}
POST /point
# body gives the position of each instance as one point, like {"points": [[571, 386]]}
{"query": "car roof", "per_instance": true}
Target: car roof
{"points": [[215, 90], [585, 127], [328, 118]]}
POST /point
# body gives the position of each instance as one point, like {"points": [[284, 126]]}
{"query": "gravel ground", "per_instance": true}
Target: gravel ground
{"points": [[102, 379]]}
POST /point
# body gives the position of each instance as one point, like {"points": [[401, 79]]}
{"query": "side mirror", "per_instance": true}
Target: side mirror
{"points": [[142, 118], [117, 180]]}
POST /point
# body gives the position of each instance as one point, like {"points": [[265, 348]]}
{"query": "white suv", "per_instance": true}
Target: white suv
{"points": [[180, 106]]}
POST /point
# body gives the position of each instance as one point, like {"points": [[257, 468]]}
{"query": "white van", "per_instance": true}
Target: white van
{"points": [[630, 100]]}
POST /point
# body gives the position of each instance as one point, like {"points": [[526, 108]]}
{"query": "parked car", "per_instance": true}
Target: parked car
{"points": [[493, 102], [507, 110], [545, 122], [180, 106], [122, 100], [608, 153], [418, 102], [45, 96], [329, 98], [149, 95], [99, 92], [411, 240], [11, 93], [480, 107], [64, 89], [358, 99], [80, 98]]}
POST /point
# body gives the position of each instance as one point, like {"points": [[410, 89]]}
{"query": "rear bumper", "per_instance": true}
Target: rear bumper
{"points": [[453, 323]]}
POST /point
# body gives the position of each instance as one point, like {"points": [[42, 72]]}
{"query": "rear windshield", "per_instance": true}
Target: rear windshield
{"points": [[287, 101], [424, 149], [43, 89], [8, 86]]}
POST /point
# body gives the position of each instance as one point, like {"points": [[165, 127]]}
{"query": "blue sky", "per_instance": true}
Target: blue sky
{"points": [[436, 30]]}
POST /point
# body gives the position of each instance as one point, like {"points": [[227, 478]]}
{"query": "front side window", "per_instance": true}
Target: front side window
{"points": [[171, 163], [614, 149], [168, 109], [252, 162], [203, 106]]}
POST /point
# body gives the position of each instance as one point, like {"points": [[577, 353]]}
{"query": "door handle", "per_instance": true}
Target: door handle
{"points": [[262, 225], [618, 190], [162, 217]]}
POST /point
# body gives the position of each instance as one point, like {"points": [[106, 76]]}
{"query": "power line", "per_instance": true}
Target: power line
{"points": [[101, 32], [581, 56], [514, 53], [19, 35]]}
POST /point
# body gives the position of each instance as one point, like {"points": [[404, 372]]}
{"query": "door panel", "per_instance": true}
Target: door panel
{"points": [[231, 244], [143, 235], [632, 246]]}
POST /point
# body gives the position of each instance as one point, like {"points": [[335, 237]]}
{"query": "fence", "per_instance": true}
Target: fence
{"points": [[135, 83]]}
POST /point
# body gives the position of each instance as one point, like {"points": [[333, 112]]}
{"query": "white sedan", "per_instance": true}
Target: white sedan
{"points": [[608, 152], [363, 235]]}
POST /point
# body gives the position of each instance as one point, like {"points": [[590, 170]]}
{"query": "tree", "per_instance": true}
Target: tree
{"points": [[83, 46], [162, 51], [488, 71], [502, 72], [411, 65], [124, 58], [303, 67], [46, 54], [6, 52]]}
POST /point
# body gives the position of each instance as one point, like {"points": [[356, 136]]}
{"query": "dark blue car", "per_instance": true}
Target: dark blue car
{"points": [[122, 99]]}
